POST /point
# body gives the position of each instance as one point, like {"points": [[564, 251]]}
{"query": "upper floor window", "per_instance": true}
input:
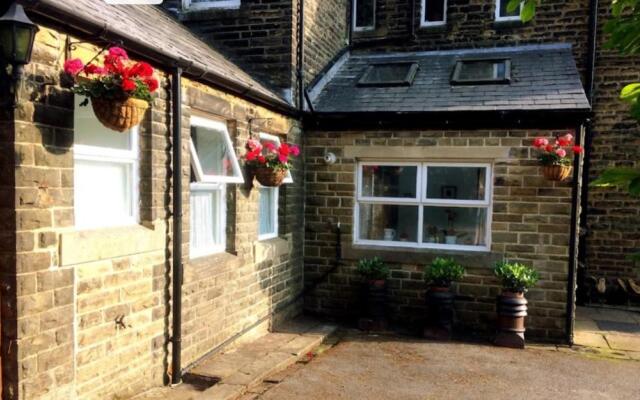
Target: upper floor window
{"points": [[434, 12], [195, 5], [105, 172], [364, 15], [502, 14], [214, 164], [428, 205]]}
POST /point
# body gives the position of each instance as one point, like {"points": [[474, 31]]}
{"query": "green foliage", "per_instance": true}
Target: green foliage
{"points": [[442, 271], [528, 10], [516, 277], [554, 159], [627, 178], [373, 269], [110, 87]]}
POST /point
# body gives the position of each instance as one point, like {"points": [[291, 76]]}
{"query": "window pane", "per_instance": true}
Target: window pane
{"points": [[102, 193], [364, 13], [389, 222], [213, 152], [206, 226], [267, 211], [90, 132], [456, 183], [503, 9], [389, 181], [455, 225], [434, 10], [482, 70]]}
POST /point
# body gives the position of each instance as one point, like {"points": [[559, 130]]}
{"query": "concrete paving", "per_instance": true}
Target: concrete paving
{"points": [[388, 367], [608, 331]]}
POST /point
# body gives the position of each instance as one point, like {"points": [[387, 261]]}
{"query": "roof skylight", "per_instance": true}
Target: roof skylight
{"points": [[389, 74], [481, 71]]}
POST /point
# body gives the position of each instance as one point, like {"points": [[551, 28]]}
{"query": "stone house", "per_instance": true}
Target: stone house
{"points": [[87, 306]]}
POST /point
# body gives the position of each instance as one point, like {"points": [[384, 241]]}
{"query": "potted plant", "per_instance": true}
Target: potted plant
{"points": [[439, 275], [555, 156], [374, 274], [516, 279], [120, 90], [270, 162]]}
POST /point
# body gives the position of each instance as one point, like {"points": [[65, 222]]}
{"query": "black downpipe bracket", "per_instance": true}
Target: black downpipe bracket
{"points": [[588, 144], [176, 338]]}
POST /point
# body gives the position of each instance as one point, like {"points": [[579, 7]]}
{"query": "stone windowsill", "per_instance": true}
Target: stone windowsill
{"points": [[82, 246], [405, 255], [221, 258], [429, 152], [272, 248]]}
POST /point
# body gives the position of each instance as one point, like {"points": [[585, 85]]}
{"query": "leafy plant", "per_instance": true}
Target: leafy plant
{"points": [[442, 271], [556, 151], [269, 155], [373, 269], [516, 277]]}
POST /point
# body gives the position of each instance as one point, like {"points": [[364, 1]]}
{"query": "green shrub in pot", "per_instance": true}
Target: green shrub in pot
{"points": [[442, 271], [516, 277], [373, 269]]}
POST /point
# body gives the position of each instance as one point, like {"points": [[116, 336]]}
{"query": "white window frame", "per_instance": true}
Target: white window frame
{"points": [[366, 28], [213, 183], [507, 18], [274, 215], [421, 200], [199, 6], [423, 15], [130, 157]]}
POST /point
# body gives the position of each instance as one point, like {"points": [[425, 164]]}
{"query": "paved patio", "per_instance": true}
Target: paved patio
{"points": [[608, 331], [388, 367]]}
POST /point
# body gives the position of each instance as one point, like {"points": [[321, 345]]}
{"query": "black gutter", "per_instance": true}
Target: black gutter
{"points": [[573, 241], [511, 119], [94, 30], [588, 144], [177, 272]]}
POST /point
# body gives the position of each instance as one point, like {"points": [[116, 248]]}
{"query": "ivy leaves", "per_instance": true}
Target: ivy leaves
{"points": [[528, 10]]}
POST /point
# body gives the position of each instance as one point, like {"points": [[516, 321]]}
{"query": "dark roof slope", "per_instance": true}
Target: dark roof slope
{"points": [[543, 77], [158, 32]]}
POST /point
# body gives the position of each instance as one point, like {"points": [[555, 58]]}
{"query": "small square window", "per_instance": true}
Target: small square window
{"points": [[434, 12], [481, 71], [503, 15], [364, 15], [390, 74]]}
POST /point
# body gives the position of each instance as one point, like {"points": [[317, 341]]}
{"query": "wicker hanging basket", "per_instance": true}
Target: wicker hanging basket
{"points": [[269, 176], [119, 115], [556, 172]]}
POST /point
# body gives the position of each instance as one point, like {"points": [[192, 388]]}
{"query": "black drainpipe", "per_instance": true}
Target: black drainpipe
{"points": [[301, 89], [176, 338], [584, 200]]}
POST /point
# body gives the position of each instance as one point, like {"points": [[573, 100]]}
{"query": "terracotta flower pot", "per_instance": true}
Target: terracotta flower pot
{"points": [[269, 176], [374, 306], [439, 313], [512, 310], [556, 172], [119, 115]]}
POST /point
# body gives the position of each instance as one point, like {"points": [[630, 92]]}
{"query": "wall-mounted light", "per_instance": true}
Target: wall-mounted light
{"points": [[17, 33]]}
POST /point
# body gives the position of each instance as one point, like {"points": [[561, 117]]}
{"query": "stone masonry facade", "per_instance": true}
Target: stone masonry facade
{"points": [[87, 313], [531, 224]]}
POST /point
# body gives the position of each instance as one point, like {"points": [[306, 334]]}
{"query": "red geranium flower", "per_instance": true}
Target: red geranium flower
{"points": [[73, 66], [94, 69], [577, 149], [549, 148], [118, 52], [141, 69], [152, 83], [128, 85]]}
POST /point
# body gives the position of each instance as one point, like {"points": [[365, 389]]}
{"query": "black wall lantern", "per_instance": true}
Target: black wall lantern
{"points": [[17, 33]]}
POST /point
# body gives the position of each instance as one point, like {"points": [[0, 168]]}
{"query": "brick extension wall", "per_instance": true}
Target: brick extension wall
{"points": [[530, 224], [88, 312]]}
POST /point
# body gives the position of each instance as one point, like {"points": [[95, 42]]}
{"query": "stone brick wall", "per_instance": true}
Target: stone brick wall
{"points": [[614, 216], [326, 33], [530, 224], [259, 36], [87, 312]]}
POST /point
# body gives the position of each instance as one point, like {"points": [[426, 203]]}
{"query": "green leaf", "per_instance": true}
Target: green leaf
{"points": [[631, 91], [634, 187], [528, 10], [513, 5], [628, 178]]}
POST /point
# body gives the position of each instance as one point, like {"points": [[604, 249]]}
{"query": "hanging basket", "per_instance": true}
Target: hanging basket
{"points": [[270, 177], [556, 172], [119, 115]]}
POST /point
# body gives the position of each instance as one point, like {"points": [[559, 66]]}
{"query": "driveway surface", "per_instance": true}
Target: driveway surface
{"points": [[385, 367]]}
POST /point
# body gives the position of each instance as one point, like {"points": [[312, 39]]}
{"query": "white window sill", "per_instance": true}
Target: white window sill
{"points": [[79, 246]]}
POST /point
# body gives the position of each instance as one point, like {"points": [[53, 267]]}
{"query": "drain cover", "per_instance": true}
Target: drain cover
{"points": [[618, 326]]}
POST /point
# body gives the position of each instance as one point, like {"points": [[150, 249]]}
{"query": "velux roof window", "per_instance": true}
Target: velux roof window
{"points": [[481, 71], [389, 74]]}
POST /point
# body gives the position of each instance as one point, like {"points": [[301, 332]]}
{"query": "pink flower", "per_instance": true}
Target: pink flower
{"points": [[295, 150], [565, 140], [253, 154], [540, 142], [561, 153], [253, 144], [118, 52], [73, 66], [270, 146]]}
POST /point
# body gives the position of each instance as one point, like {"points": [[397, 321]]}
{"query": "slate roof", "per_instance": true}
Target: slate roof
{"points": [[159, 32], [543, 77]]}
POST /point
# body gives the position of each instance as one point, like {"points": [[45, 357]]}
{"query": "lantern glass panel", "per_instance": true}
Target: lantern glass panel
{"points": [[24, 39]]}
